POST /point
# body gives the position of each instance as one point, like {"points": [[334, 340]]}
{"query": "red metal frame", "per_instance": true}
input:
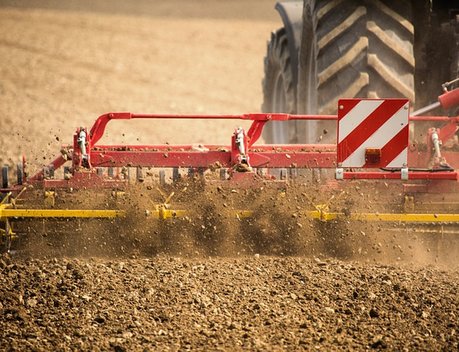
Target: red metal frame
{"points": [[242, 149]]}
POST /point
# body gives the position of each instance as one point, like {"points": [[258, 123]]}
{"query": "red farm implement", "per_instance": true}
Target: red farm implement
{"points": [[373, 173]]}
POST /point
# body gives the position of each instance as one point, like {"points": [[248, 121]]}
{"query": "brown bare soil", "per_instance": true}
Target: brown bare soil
{"points": [[274, 282], [258, 303], [61, 68]]}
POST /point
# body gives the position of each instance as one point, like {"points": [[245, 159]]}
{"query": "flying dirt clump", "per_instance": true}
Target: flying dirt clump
{"points": [[210, 219]]}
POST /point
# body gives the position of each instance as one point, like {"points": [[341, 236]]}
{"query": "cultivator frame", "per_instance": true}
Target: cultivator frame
{"points": [[428, 169]]}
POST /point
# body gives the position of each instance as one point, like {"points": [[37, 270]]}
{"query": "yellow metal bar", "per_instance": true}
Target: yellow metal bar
{"points": [[161, 212], [59, 213], [406, 217], [384, 217], [164, 214]]}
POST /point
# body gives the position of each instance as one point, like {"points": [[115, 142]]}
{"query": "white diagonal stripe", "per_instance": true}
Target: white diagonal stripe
{"points": [[356, 116], [400, 159], [380, 138]]}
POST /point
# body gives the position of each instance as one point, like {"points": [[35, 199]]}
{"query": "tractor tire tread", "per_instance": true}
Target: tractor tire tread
{"points": [[278, 62], [363, 47]]}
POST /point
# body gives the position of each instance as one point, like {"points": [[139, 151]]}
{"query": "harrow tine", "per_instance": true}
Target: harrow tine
{"points": [[67, 173], [167, 198], [8, 236], [48, 172], [139, 174], [6, 198], [5, 180], [126, 172], [335, 198], [162, 178], [175, 174], [18, 196], [283, 174], [317, 207], [20, 173]]}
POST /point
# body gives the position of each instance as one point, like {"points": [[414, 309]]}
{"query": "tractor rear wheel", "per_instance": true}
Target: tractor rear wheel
{"points": [[279, 93], [354, 49], [455, 59]]}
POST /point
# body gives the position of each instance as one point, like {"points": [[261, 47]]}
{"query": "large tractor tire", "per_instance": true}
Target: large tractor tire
{"points": [[455, 56], [441, 59], [350, 48], [354, 49], [455, 61], [279, 89]]}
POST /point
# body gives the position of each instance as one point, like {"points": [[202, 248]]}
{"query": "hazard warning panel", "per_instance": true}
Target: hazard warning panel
{"points": [[373, 133]]}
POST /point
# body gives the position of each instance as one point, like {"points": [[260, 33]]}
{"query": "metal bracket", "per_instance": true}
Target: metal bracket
{"points": [[339, 173], [404, 173]]}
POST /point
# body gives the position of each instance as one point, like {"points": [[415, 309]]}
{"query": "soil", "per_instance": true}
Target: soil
{"points": [[64, 65], [252, 303], [272, 283]]}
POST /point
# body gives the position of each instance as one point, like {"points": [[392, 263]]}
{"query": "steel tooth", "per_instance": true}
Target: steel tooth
{"points": [[51, 171], [110, 172], [176, 174], [9, 236], [283, 174], [223, 174], [127, 173], [5, 172], [45, 173], [67, 173], [20, 173], [139, 174], [162, 177]]}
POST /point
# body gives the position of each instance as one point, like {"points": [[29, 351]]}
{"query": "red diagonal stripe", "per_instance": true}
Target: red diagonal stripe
{"points": [[395, 146], [369, 126], [348, 105]]}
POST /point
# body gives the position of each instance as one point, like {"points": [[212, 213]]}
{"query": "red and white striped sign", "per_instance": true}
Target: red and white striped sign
{"points": [[373, 124]]}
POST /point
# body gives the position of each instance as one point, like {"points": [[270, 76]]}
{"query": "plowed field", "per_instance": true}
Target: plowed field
{"points": [[64, 63]]}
